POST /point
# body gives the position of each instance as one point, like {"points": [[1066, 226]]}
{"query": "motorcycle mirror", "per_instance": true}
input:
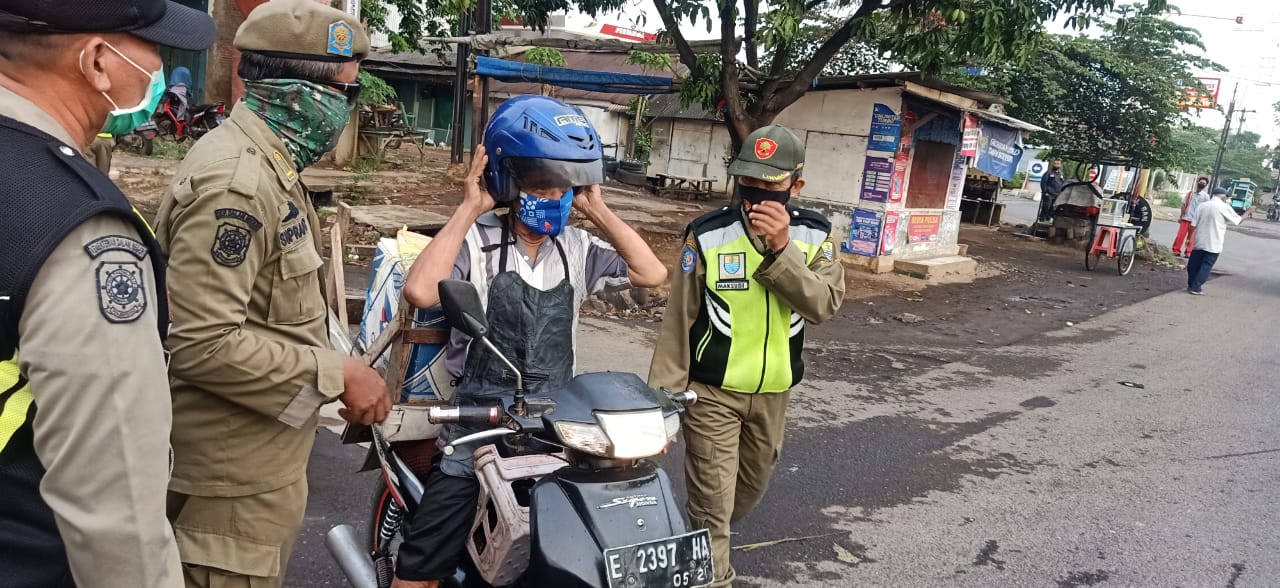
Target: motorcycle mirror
{"points": [[462, 308]]}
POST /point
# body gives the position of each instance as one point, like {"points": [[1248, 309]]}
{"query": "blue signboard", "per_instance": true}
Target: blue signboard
{"points": [[886, 127], [999, 149], [864, 233]]}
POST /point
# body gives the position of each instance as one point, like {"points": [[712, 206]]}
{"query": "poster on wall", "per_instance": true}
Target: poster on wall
{"points": [[969, 141], [903, 159], [877, 179], [955, 186], [864, 233], [885, 128], [889, 236], [899, 176], [999, 150], [924, 228]]}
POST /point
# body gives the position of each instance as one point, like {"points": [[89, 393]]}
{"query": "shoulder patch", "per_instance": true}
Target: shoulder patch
{"points": [[234, 213], [102, 245], [231, 244], [689, 256], [122, 297], [828, 250]]}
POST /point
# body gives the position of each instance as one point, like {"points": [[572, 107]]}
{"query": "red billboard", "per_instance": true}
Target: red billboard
{"points": [[627, 34], [1194, 99]]}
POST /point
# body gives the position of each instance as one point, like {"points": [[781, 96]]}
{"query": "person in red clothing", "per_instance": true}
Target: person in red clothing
{"points": [[1182, 243]]}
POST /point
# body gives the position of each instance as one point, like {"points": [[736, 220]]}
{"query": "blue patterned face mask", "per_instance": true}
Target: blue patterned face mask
{"points": [[545, 216]]}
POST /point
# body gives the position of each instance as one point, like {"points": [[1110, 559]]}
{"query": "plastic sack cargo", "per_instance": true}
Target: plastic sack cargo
{"points": [[426, 378]]}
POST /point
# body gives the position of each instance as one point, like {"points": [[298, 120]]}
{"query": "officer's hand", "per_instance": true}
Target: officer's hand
{"points": [[589, 200], [770, 220], [365, 394], [474, 194]]}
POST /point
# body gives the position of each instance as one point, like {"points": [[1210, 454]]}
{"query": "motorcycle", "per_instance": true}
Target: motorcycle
{"points": [[201, 119], [1273, 211], [568, 494]]}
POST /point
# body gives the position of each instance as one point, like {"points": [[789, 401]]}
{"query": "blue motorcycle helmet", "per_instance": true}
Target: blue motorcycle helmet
{"points": [[537, 143]]}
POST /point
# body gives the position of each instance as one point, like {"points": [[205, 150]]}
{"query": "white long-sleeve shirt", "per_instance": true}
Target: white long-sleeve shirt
{"points": [[1210, 222], [1197, 199]]}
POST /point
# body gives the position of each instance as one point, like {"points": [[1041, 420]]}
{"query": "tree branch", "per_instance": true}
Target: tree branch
{"points": [[750, 16], [804, 80], [737, 116], [682, 45]]}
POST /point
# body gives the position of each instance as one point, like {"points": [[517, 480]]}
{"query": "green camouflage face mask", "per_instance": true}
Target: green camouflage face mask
{"points": [[309, 117]]}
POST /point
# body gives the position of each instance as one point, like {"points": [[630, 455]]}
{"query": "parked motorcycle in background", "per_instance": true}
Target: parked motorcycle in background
{"points": [[175, 118], [568, 496], [1273, 211]]}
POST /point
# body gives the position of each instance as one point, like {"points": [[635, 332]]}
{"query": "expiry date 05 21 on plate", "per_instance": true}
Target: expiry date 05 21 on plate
{"points": [[677, 562]]}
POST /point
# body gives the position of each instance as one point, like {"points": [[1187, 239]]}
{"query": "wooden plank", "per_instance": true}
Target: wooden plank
{"points": [[427, 336], [337, 260]]}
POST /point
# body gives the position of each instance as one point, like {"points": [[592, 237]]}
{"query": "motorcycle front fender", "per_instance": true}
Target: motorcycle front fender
{"points": [[577, 515]]}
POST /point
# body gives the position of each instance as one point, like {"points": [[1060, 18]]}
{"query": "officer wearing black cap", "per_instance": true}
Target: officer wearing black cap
{"points": [[84, 397], [252, 362]]}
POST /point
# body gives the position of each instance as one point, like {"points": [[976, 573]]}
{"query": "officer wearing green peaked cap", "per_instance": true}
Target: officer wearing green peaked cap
{"points": [[752, 276], [252, 363]]}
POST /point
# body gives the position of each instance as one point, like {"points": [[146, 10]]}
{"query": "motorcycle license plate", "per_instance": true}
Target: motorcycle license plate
{"points": [[680, 561]]}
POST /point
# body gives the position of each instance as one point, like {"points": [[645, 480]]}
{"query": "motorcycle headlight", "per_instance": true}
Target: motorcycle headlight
{"points": [[635, 434], [583, 437], [632, 435]]}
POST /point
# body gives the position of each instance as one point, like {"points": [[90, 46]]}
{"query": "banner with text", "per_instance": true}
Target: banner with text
{"points": [[923, 228], [885, 128], [999, 149]]}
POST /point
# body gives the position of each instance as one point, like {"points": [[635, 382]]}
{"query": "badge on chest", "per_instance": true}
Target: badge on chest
{"points": [[733, 272]]}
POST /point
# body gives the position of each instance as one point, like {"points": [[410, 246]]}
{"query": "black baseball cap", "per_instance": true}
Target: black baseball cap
{"points": [[162, 22]]}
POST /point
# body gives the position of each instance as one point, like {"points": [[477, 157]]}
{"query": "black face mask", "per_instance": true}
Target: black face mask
{"points": [[756, 195]]}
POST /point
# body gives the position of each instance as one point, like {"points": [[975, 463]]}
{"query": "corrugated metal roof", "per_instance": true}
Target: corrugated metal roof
{"points": [[585, 60], [668, 106]]}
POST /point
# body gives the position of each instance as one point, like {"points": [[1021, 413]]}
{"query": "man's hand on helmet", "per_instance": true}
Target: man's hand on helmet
{"points": [[473, 192], [589, 200]]}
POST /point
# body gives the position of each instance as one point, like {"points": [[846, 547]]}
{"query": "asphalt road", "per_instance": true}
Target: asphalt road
{"points": [[1140, 448]]}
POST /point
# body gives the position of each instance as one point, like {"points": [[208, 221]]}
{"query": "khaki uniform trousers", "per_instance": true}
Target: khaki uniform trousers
{"points": [[733, 441], [239, 541]]}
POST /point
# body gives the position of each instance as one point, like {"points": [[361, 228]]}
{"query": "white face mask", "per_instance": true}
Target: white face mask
{"points": [[124, 120]]}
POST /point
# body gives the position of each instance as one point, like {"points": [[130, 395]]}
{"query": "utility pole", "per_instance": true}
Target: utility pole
{"points": [[1222, 140], [480, 103], [460, 90]]}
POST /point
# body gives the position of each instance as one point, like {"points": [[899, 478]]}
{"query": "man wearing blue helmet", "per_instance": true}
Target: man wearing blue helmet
{"points": [[542, 159]]}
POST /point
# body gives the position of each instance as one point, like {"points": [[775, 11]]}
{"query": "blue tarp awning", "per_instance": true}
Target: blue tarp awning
{"points": [[590, 81]]}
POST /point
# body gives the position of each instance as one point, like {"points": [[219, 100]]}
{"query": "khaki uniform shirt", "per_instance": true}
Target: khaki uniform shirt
{"points": [[251, 360], [102, 401], [814, 291]]}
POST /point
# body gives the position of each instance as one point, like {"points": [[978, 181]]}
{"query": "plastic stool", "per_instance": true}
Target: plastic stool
{"points": [[1105, 241]]}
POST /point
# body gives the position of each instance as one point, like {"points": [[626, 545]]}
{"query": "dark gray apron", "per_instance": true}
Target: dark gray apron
{"points": [[534, 329]]}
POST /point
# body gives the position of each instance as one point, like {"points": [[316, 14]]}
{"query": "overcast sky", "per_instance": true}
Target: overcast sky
{"points": [[1250, 52]]}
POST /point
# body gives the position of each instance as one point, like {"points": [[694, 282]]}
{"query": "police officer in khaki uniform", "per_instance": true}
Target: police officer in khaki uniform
{"points": [[251, 357], [84, 397], [751, 277]]}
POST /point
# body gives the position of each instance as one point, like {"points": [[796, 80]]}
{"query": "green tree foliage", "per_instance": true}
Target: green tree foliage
{"points": [[439, 18], [930, 34], [1111, 97], [374, 90], [1243, 158]]}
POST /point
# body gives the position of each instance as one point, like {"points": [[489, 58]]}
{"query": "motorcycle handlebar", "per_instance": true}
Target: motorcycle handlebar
{"points": [[467, 415], [686, 398]]}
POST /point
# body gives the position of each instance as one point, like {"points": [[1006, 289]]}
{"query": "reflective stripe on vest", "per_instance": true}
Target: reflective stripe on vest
{"points": [[15, 400], [746, 339]]}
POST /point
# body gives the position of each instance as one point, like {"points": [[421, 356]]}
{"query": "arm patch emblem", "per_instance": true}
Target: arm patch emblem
{"points": [[231, 244], [122, 296]]}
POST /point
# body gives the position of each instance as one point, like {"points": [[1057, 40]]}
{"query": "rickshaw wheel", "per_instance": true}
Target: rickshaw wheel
{"points": [[1128, 249], [1090, 260]]}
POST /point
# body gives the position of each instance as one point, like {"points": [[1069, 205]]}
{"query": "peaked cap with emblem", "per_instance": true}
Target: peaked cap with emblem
{"points": [[303, 29], [771, 153]]}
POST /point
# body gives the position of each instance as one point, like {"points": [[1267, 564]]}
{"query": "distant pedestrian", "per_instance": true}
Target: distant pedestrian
{"points": [[1182, 243], [1050, 187], [1210, 224]]}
